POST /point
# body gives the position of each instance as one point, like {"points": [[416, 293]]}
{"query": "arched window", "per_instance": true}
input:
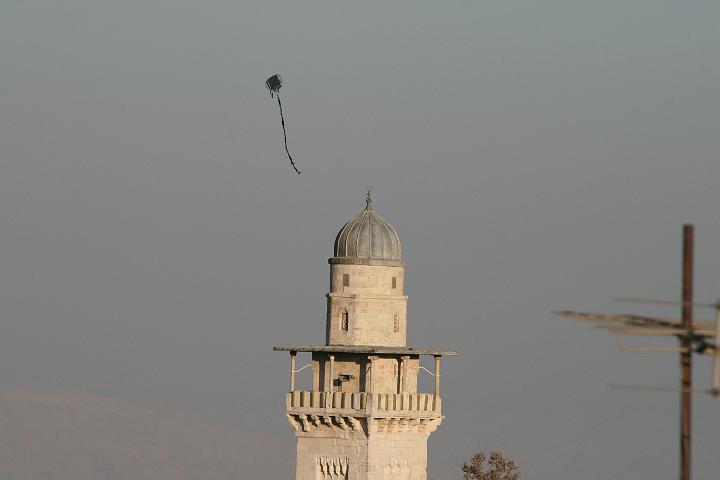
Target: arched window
{"points": [[346, 279], [396, 323], [394, 282], [344, 321]]}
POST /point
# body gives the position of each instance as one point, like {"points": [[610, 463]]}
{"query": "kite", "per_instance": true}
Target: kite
{"points": [[273, 84]]}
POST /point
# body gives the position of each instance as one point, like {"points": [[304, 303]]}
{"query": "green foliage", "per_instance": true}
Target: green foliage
{"points": [[496, 467]]}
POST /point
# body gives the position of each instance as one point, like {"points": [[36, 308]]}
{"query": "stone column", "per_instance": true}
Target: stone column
{"points": [[369, 374], [402, 373], [293, 356]]}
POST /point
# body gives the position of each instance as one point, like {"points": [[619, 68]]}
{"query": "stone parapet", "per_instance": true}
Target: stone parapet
{"points": [[363, 404], [353, 414]]}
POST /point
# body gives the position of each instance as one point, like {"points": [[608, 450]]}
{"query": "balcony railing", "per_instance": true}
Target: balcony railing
{"points": [[364, 404]]}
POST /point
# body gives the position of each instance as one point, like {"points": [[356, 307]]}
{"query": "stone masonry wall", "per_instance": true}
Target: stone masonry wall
{"points": [[379, 456], [366, 311]]}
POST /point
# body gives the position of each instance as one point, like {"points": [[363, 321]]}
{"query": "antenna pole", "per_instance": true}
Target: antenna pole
{"points": [[686, 356]]}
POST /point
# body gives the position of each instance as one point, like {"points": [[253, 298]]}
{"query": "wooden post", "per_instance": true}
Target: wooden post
{"points": [[686, 357], [437, 374], [293, 356], [716, 356]]}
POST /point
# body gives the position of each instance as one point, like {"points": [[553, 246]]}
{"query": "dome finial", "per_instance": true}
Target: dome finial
{"points": [[368, 199]]}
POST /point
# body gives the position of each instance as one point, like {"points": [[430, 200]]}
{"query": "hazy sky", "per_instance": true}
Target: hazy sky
{"points": [[155, 243]]}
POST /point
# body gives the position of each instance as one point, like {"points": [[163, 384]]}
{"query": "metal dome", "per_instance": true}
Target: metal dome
{"points": [[368, 237]]}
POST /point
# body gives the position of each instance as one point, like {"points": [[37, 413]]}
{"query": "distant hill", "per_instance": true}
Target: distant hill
{"points": [[52, 436]]}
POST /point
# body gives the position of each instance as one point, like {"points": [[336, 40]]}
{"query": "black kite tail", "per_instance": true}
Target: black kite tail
{"points": [[282, 119]]}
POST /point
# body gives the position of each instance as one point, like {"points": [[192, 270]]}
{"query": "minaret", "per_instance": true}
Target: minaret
{"points": [[364, 418]]}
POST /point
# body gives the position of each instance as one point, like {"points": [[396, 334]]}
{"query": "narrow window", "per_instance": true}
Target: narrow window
{"points": [[346, 279], [344, 321], [396, 323], [394, 282]]}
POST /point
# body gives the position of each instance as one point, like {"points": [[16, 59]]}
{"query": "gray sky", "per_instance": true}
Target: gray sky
{"points": [[155, 243]]}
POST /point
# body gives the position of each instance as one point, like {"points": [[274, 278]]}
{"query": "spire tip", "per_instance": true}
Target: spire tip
{"points": [[368, 198]]}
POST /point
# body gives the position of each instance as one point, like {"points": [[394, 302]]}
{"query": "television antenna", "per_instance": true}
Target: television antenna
{"points": [[695, 336]]}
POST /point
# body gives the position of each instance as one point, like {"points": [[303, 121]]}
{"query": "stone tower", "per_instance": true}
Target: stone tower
{"points": [[364, 418]]}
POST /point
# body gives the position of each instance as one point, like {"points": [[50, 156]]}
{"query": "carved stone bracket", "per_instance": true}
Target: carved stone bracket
{"points": [[416, 425], [356, 424], [341, 424], [294, 422], [347, 425]]}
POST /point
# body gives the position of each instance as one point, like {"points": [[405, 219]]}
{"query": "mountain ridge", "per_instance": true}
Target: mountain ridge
{"points": [[83, 436]]}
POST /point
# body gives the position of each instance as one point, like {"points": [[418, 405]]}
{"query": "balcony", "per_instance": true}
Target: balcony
{"points": [[361, 413], [363, 404]]}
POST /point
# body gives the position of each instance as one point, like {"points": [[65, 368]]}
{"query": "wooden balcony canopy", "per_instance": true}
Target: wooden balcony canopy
{"points": [[364, 349]]}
